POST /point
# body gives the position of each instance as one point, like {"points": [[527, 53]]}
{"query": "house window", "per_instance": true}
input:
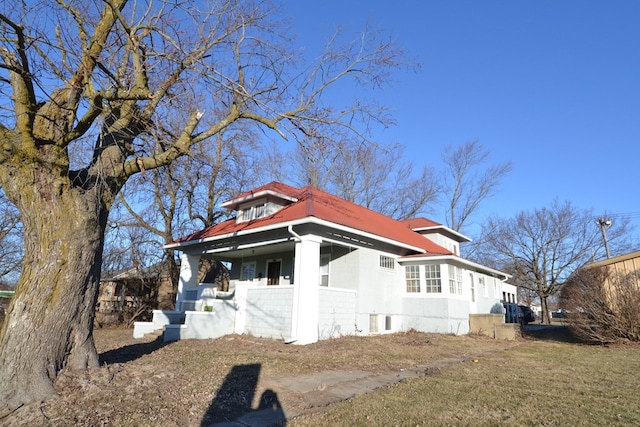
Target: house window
{"points": [[244, 214], [455, 280], [473, 288], [412, 275], [432, 275], [248, 271], [324, 269], [258, 211], [483, 286], [387, 262], [252, 212]]}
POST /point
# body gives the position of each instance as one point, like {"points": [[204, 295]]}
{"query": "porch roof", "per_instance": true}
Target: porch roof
{"points": [[313, 203]]}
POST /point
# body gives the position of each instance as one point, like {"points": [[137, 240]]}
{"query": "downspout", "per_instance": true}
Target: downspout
{"points": [[296, 292], [293, 233]]}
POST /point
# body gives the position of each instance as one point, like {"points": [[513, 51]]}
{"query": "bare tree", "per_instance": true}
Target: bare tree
{"points": [[602, 304], [83, 88], [468, 180], [170, 202], [371, 175], [541, 248]]}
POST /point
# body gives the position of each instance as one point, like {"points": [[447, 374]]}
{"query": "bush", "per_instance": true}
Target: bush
{"points": [[602, 305]]}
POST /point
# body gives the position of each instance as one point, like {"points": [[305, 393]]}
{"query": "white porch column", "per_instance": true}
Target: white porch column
{"points": [[188, 276], [306, 291]]}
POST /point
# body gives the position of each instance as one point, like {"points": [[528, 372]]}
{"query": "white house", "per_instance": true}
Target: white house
{"points": [[306, 265]]}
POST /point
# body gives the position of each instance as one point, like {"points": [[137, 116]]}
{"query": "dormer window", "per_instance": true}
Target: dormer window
{"points": [[251, 212], [262, 202]]}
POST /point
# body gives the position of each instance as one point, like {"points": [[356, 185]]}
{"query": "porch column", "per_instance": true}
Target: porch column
{"points": [[188, 276], [306, 291]]}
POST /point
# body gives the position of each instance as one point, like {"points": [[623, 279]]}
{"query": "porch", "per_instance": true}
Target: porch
{"points": [[254, 309]]}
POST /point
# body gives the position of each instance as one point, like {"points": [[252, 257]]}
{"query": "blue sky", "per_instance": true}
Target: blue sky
{"points": [[552, 86]]}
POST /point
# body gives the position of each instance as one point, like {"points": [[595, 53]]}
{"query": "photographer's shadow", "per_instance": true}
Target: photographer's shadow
{"points": [[235, 396]]}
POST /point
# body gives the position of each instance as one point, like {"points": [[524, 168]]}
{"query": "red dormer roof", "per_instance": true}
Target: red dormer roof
{"points": [[274, 189], [426, 226], [421, 223], [313, 203]]}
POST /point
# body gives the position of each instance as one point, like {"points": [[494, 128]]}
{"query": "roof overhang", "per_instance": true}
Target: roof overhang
{"points": [[287, 224], [459, 236], [234, 203]]}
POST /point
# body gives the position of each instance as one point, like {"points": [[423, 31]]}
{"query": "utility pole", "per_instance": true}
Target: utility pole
{"points": [[604, 224]]}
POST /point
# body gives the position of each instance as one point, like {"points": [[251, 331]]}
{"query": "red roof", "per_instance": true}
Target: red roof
{"points": [[312, 202], [277, 189], [415, 223]]}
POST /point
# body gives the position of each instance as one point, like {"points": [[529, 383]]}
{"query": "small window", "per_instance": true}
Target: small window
{"points": [[483, 286], [473, 288], [244, 214], [324, 269], [259, 211], [249, 213], [373, 323], [248, 271], [387, 262], [412, 275], [387, 323]]}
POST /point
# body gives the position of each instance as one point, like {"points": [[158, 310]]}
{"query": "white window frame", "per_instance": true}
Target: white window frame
{"points": [[325, 262], [473, 288], [412, 279], [455, 280], [433, 279], [251, 212], [387, 262]]}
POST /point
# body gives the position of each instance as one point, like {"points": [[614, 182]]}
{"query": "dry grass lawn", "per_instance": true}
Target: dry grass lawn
{"points": [[540, 383], [187, 383]]}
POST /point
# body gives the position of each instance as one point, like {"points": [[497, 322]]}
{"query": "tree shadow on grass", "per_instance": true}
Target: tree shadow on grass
{"points": [[234, 399], [550, 333], [131, 352]]}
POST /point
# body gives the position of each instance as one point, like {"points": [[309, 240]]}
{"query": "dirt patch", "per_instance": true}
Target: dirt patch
{"points": [[201, 382]]}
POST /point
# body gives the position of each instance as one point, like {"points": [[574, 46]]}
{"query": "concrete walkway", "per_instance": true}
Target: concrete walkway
{"points": [[319, 390]]}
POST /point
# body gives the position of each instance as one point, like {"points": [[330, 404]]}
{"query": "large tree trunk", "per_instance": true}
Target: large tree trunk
{"points": [[544, 307], [49, 324]]}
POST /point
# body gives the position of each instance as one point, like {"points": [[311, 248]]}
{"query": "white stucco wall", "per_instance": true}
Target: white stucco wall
{"points": [[344, 269], [434, 314], [268, 311], [336, 313]]}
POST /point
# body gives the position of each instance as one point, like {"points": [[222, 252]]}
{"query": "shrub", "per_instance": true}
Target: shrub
{"points": [[603, 305]]}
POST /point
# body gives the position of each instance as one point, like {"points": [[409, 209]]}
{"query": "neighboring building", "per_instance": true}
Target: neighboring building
{"points": [[133, 292], [621, 271], [305, 265], [620, 265]]}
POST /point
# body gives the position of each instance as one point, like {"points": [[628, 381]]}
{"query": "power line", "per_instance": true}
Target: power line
{"points": [[624, 215]]}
